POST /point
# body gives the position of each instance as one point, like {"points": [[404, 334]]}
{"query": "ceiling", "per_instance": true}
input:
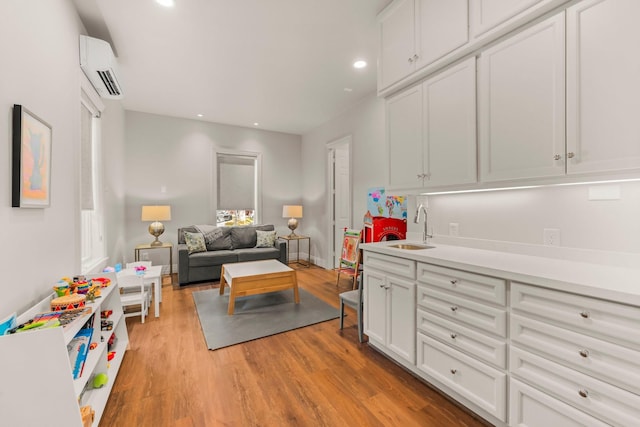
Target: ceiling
{"points": [[283, 64]]}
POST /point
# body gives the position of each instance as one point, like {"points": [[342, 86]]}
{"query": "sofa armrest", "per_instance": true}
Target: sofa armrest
{"points": [[183, 263], [282, 246]]}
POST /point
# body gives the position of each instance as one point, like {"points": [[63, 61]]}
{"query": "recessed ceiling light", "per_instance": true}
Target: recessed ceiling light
{"points": [[360, 64], [256, 124], [348, 89], [199, 115], [166, 3]]}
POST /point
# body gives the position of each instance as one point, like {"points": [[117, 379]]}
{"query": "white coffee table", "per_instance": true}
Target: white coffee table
{"points": [[257, 277]]}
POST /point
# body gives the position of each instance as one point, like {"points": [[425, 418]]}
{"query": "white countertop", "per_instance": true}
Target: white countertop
{"points": [[596, 280]]}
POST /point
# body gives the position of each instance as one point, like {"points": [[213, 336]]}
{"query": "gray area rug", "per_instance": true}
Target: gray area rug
{"points": [[257, 316]]}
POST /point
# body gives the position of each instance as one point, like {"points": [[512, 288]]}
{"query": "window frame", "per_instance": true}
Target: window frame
{"points": [[257, 157]]}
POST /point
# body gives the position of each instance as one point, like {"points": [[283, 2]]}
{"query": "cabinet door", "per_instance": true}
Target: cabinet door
{"points": [[397, 43], [442, 26], [487, 14], [522, 111], [404, 138], [603, 88], [401, 315], [449, 125], [375, 306]]}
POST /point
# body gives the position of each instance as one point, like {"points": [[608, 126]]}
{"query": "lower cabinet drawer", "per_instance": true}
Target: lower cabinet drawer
{"points": [[390, 264], [609, 362], [490, 350], [456, 308], [602, 400], [529, 407], [480, 383]]}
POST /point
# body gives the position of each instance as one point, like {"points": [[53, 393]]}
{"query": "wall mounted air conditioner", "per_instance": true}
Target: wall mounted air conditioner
{"points": [[99, 65]]}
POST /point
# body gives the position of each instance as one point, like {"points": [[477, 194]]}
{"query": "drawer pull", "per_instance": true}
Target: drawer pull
{"points": [[583, 393], [585, 314], [453, 336], [454, 308], [454, 281], [584, 353], [453, 371]]}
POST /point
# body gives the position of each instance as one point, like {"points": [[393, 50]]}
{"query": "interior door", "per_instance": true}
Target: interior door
{"points": [[340, 195]]}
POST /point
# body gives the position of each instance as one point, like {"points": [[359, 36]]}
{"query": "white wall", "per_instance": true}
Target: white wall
{"points": [[365, 123], [177, 154], [39, 50]]}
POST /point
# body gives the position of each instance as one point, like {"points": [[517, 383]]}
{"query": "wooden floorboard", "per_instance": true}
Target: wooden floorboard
{"points": [[313, 376]]}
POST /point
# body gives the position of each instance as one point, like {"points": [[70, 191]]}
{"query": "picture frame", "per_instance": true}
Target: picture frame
{"points": [[31, 160]]}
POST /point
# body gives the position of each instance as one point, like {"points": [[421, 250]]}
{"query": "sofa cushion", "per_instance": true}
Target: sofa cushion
{"points": [[218, 238], [257, 254], [245, 236], [211, 258], [195, 242], [265, 239]]}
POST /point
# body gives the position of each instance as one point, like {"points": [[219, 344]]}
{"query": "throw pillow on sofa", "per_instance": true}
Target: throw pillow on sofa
{"points": [[195, 242], [265, 239]]}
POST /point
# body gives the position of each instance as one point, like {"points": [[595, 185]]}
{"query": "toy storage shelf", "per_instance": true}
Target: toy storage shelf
{"points": [[37, 386]]}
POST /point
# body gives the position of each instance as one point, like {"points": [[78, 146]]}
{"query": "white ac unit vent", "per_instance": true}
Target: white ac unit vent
{"points": [[99, 65]]}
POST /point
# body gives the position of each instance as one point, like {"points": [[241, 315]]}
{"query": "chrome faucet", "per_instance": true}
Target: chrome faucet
{"points": [[416, 220]]}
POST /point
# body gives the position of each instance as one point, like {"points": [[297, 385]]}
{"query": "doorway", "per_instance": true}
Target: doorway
{"points": [[339, 195]]}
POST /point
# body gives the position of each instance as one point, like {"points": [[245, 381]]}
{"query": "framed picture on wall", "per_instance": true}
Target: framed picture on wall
{"points": [[31, 160]]}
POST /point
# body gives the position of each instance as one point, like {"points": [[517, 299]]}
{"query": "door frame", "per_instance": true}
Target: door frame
{"points": [[330, 148]]}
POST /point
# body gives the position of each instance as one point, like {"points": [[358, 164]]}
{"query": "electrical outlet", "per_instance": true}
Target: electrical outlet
{"points": [[144, 256], [551, 236], [454, 229]]}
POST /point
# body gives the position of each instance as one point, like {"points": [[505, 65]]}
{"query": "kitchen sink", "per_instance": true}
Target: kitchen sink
{"points": [[411, 246]]}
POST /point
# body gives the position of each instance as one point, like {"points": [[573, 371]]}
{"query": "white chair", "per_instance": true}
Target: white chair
{"points": [[131, 265], [136, 294], [353, 299]]}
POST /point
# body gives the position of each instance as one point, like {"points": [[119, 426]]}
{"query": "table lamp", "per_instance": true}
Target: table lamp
{"points": [[156, 214], [292, 212]]}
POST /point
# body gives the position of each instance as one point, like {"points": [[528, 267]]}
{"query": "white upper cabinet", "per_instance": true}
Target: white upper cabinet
{"points": [[487, 14], [431, 130], [449, 126], [414, 33], [443, 25], [521, 104], [603, 86], [397, 43], [404, 138]]}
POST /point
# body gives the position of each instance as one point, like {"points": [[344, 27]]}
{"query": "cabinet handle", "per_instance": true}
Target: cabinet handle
{"points": [[557, 157], [584, 353], [415, 57], [454, 281], [410, 60], [571, 155], [420, 176], [453, 336], [453, 371], [583, 393], [454, 308], [382, 285], [585, 314]]}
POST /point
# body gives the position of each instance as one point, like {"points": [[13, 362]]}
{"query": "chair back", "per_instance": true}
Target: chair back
{"points": [[350, 255]]}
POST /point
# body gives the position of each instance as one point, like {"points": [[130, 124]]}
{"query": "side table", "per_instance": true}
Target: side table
{"points": [[291, 238], [147, 247]]}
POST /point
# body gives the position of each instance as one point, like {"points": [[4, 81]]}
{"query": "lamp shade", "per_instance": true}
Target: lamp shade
{"points": [[156, 213], [292, 211]]}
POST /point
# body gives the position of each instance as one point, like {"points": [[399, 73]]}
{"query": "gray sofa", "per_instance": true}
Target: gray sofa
{"points": [[233, 244]]}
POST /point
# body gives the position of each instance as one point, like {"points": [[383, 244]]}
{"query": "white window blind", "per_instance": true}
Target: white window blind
{"points": [[236, 182]]}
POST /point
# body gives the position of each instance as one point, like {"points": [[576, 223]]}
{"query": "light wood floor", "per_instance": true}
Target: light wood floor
{"points": [[313, 376]]}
